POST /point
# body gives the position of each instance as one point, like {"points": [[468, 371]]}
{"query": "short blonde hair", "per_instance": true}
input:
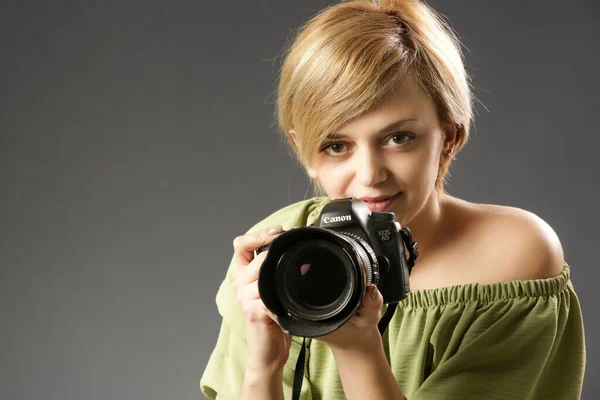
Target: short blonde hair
{"points": [[348, 58]]}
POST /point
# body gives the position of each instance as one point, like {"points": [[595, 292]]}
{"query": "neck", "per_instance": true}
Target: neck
{"points": [[426, 224]]}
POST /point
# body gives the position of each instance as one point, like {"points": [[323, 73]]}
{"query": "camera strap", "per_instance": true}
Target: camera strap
{"points": [[299, 370], [411, 246], [387, 317]]}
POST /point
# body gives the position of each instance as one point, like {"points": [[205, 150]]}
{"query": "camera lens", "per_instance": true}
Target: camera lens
{"points": [[315, 279]]}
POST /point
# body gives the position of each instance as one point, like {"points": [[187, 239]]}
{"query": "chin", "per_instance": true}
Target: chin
{"points": [[403, 214]]}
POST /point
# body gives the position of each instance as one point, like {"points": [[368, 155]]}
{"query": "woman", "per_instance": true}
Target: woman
{"points": [[374, 100]]}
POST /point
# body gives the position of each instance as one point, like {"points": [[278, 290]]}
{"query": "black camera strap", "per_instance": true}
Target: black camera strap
{"points": [[411, 246], [299, 371], [387, 317]]}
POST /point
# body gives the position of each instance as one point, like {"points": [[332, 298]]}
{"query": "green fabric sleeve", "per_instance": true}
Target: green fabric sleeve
{"points": [[510, 340]]}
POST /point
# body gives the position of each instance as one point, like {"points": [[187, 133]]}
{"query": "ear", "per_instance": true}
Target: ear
{"points": [[450, 133], [310, 171]]}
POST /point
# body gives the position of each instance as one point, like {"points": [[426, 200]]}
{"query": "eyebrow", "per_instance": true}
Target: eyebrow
{"points": [[387, 128]]}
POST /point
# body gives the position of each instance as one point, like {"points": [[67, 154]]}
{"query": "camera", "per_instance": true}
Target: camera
{"points": [[314, 278]]}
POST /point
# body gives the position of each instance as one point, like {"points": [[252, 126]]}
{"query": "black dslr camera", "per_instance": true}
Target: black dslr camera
{"points": [[314, 278]]}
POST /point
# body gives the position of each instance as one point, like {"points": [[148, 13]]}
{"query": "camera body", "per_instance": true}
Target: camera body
{"points": [[314, 278], [383, 235]]}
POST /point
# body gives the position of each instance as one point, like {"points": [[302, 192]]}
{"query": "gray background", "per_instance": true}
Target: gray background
{"points": [[137, 140]]}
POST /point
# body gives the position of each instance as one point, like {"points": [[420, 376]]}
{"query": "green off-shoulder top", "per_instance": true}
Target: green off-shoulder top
{"points": [[508, 340]]}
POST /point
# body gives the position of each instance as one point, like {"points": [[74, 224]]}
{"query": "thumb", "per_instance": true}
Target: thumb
{"points": [[373, 297]]}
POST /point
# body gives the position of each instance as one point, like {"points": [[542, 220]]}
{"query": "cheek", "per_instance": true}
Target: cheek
{"points": [[334, 177], [419, 168]]}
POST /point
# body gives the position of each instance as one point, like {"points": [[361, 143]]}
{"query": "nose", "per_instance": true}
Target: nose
{"points": [[371, 169]]}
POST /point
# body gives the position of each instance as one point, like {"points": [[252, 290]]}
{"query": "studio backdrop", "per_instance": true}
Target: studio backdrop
{"points": [[137, 139]]}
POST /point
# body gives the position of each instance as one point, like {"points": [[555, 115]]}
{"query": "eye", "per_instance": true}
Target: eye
{"points": [[333, 148], [400, 138]]}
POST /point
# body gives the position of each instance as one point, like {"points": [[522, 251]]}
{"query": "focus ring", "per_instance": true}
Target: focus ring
{"points": [[363, 249]]}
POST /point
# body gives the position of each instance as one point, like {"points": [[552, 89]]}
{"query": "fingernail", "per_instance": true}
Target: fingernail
{"points": [[374, 293], [275, 230]]}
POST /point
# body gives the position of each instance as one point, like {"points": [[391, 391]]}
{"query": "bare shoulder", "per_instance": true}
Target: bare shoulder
{"points": [[510, 243]]}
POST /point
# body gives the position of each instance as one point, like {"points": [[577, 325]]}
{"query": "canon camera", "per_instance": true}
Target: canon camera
{"points": [[314, 278]]}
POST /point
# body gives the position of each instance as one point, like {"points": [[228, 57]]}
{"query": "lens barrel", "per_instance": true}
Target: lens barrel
{"points": [[314, 279]]}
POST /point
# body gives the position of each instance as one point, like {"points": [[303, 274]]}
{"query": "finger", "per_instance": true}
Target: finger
{"points": [[248, 292], [249, 273], [253, 269], [371, 304], [373, 298], [272, 316], [375, 302], [256, 311], [245, 245]]}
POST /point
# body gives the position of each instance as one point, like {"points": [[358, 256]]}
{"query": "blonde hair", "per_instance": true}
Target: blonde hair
{"points": [[348, 58]]}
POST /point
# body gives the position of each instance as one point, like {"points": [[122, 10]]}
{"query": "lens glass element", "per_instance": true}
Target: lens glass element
{"points": [[315, 279]]}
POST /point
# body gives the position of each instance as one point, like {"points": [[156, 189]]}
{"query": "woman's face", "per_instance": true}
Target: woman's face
{"points": [[389, 157]]}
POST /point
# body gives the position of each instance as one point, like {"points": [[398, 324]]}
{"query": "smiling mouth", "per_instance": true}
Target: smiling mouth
{"points": [[382, 203]]}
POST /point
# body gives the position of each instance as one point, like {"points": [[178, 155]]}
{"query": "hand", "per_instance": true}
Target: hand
{"points": [[268, 345], [361, 329]]}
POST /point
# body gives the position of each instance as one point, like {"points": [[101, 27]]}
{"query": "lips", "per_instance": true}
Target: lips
{"points": [[379, 203]]}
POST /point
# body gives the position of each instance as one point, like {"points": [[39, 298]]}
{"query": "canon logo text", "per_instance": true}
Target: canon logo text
{"points": [[341, 218]]}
